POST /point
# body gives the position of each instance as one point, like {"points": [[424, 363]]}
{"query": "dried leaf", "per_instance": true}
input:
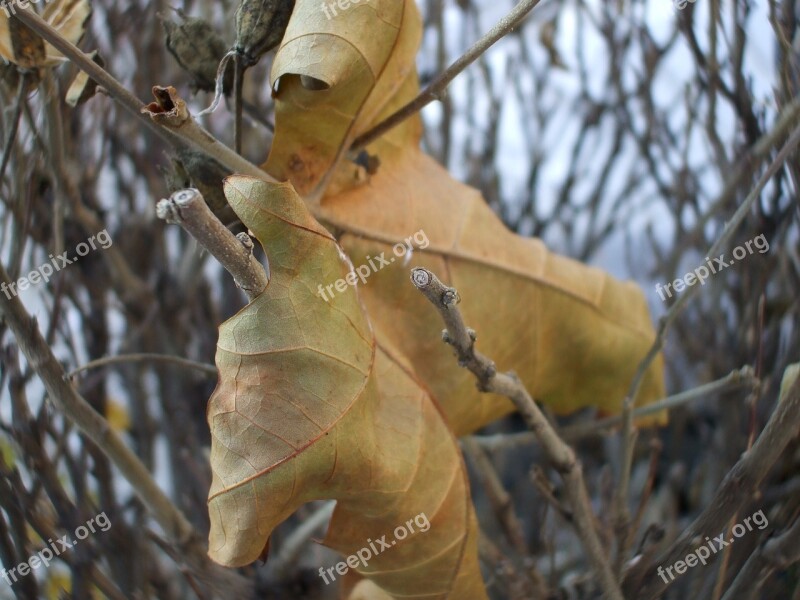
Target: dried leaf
{"points": [[117, 415], [20, 45], [572, 333], [364, 59], [83, 87], [309, 406]]}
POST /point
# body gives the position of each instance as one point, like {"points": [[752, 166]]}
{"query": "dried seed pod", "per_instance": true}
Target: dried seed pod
{"points": [[20, 45], [199, 50], [27, 46], [260, 26]]}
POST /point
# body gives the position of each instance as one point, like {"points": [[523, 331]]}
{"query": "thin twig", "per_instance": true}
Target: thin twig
{"points": [[238, 83], [130, 288], [776, 553], [498, 496], [436, 89], [75, 407], [560, 454], [621, 510], [51, 93], [735, 491], [186, 134], [170, 112], [513, 585], [41, 359], [570, 433], [546, 489], [145, 357], [290, 550], [12, 131]]}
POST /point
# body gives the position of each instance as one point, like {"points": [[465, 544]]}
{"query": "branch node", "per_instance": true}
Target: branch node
{"points": [[450, 297], [246, 241]]}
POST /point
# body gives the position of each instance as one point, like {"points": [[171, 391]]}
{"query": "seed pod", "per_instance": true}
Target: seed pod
{"points": [[198, 49], [27, 47], [20, 45], [260, 26]]}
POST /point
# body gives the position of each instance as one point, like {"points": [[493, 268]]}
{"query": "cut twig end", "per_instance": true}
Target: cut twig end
{"points": [[188, 209], [421, 278], [437, 292]]}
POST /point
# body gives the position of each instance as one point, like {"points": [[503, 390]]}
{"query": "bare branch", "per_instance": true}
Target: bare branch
{"points": [[736, 490], [190, 211], [437, 88], [560, 454], [74, 406], [144, 357]]}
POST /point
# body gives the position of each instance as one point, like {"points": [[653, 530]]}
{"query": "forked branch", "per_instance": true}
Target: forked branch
{"points": [[558, 452]]}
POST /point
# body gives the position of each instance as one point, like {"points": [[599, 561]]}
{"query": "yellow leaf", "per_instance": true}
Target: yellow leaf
{"points": [[58, 583], [310, 406], [117, 415], [363, 61], [572, 333], [7, 452]]}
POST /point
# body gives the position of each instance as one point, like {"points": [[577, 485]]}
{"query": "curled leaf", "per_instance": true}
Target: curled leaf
{"points": [[362, 61], [310, 406]]}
